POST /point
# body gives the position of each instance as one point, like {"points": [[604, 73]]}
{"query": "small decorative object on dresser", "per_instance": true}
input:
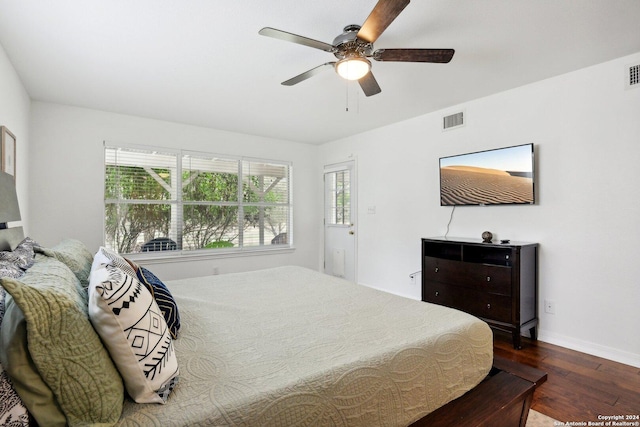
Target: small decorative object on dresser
{"points": [[495, 282], [487, 236]]}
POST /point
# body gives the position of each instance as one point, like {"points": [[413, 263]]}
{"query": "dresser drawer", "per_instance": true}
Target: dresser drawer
{"points": [[443, 294], [488, 278], [477, 303], [492, 307], [443, 270], [491, 278]]}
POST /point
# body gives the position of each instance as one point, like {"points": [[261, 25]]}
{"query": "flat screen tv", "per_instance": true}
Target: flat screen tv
{"points": [[503, 176]]}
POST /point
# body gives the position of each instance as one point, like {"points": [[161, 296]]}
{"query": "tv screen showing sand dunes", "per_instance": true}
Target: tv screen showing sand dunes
{"points": [[493, 177]]}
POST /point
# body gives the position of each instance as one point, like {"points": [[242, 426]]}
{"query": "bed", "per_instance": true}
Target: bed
{"points": [[278, 347], [290, 346]]}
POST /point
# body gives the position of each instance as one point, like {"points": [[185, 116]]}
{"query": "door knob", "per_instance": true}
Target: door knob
{"points": [[352, 232]]}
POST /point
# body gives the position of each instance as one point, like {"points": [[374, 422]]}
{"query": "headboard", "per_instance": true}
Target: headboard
{"points": [[9, 211]]}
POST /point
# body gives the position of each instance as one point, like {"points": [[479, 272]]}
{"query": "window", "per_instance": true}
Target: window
{"points": [[338, 197], [159, 199]]}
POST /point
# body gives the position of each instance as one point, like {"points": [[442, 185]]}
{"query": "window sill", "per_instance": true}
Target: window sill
{"points": [[181, 256]]}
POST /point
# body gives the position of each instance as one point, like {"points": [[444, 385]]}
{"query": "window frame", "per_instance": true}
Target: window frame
{"points": [[179, 203]]}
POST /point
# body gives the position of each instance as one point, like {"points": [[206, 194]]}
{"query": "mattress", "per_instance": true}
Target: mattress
{"points": [[291, 346]]}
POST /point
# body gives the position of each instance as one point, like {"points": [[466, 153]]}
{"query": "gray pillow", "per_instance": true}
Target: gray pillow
{"points": [[25, 379], [12, 410], [75, 255], [64, 347]]}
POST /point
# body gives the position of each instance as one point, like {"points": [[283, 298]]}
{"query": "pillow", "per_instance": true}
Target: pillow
{"points": [[12, 410], [22, 255], [64, 347], [9, 269], [75, 255], [2, 304], [161, 295], [25, 379], [106, 256], [134, 331]]}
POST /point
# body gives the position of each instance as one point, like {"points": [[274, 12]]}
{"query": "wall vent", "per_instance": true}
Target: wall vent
{"points": [[453, 121], [633, 76]]}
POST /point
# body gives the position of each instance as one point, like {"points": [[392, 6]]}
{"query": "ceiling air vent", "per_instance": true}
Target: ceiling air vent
{"points": [[633, 76], [453, 121]]}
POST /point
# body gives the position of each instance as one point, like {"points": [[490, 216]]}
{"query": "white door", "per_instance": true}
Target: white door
{"points": [[339, 220]]}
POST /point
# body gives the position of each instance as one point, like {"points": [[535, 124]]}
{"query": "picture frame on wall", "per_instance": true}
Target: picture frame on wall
{"points": [[8, 152]]}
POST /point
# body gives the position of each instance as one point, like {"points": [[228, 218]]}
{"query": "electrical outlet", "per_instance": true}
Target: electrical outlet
{"points": [[549, 306], [413, 277]]}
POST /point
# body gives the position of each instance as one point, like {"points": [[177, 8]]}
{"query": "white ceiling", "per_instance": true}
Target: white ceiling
{"points": [[202, 62]]}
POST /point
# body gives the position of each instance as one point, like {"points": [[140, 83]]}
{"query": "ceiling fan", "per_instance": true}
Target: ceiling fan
{"points": [[355, 45]]}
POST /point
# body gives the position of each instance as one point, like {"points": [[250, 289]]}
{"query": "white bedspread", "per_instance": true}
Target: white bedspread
{"points": [[289, 346]]}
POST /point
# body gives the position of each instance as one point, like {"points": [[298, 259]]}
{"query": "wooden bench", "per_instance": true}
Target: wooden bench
{"points": [[502, 399]]}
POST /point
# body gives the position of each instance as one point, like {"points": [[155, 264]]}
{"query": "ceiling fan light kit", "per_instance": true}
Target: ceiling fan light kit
{"points": [[353, 68], [355, 45]]}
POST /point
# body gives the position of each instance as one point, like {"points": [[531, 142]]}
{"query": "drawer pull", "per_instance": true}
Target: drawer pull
{"points": [[488, 278], [436, 269], [437, 293], [489, 306]]}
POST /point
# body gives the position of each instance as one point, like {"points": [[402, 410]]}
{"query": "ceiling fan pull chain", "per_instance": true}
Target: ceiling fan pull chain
{"points": [[346, 85]]}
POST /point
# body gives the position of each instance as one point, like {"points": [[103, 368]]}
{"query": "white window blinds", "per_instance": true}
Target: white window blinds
{"points": [[158, 199]]}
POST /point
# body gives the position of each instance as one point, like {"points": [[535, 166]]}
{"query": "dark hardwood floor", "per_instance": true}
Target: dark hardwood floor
{"points": [[579, 386]]}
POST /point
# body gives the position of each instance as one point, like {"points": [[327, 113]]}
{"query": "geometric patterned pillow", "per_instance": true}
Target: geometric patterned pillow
{"points": [[163, 297], [134, 331], [106, 256]]}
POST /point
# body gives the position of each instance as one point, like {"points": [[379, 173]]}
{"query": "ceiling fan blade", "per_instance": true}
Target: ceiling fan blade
{"points": [[307, 74], [294, 38], [414, 55], [369, 84], [383, 14]]}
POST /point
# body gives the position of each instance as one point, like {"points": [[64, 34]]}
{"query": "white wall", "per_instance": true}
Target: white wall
{"points": [[67, 175], [14, 114], [586, 130]]}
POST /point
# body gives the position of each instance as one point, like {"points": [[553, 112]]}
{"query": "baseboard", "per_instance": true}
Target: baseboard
{"points": [[594, 349], [390, 292]]}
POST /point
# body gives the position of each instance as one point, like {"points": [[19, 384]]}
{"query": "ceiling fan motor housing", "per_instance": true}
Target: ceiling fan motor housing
{"points": [[348, 45]]}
